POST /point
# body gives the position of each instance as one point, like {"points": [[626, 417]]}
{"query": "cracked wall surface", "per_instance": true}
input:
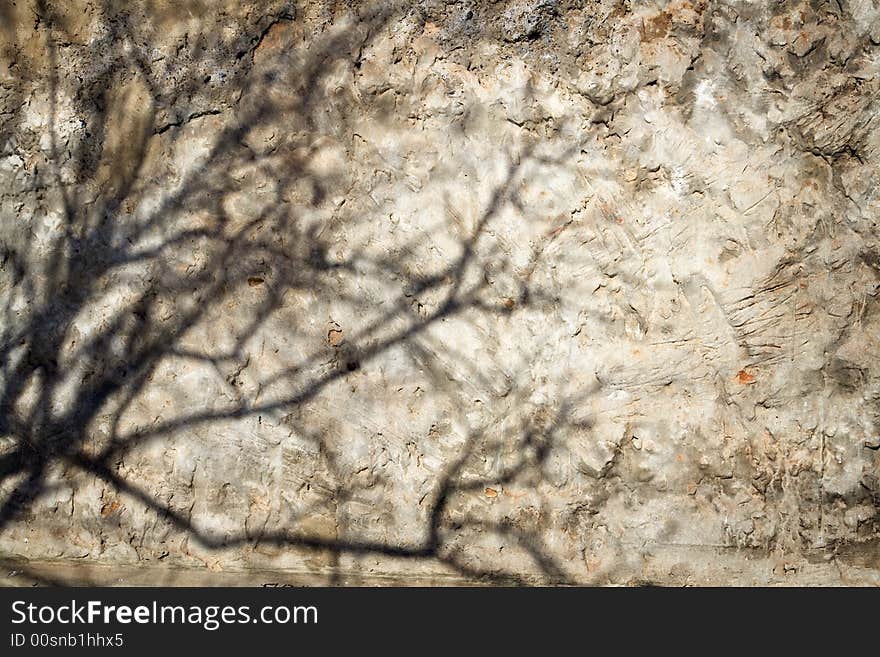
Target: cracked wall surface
{"points": [[526, 291]]}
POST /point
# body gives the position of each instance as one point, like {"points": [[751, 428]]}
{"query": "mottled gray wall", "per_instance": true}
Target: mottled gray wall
{"points": [[525, 290]]}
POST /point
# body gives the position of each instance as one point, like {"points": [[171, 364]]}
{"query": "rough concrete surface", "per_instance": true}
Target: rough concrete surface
{"points": [[511, 291]]}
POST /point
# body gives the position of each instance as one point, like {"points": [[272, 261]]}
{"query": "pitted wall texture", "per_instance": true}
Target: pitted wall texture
{"points": [[512, 291]]}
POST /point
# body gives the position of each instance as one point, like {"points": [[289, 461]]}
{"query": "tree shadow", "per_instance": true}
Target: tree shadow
{"points": [[174, 250]]}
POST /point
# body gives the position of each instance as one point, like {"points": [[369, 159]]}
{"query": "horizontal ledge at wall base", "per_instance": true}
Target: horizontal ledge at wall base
{"points": [[656, 564]]}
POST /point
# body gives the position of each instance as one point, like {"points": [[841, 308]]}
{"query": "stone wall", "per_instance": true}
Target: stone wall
{"points": [[526, 291]]}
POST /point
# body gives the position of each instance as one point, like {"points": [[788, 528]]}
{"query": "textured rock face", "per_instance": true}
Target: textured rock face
{"points": [[536, 291]]}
